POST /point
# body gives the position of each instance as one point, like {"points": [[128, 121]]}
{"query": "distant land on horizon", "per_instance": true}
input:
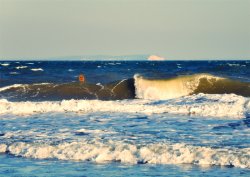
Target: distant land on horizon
{"points": [[142, 57], [85, 57]]}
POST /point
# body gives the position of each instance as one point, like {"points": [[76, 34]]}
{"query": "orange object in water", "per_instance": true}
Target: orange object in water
{"points": [[81, 78]]}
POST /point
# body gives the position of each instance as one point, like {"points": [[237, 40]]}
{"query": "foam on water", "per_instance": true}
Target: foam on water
{"points": [[36, 69], [22, 86], [21, 67], [166, 118], [13, 73], [137, 87], [160, 153], [5, 64], [215, 105], [97, 132], [11, 86], [235, 65]]}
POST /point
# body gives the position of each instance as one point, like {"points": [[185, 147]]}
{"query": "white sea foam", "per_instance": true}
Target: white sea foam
{"points": [[98, 132], [23, 86], [160, 153], [3, 148], [14, 73], [99, 84], [36, 69], [21, 67], [5, 64], [217, 105], [11, 86], [111, 63], [232, 64]]}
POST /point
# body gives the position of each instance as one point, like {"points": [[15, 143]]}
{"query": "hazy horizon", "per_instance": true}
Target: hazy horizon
{"points": [[173, 29], [112, 58]]}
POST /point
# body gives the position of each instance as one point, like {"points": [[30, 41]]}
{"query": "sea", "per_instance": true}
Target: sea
{"points": [[128, 118]]}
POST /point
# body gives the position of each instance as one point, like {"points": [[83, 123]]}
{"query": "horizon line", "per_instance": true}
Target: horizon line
{"points": [[109, 58]]}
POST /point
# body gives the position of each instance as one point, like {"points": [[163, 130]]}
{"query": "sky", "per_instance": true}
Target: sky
{"points": [[174, 29]]}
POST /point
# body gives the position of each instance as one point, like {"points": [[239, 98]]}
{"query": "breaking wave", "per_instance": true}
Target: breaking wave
{"points": [[215, 105], [54, 92], [111, 151], [187, 85], [137, 87]]}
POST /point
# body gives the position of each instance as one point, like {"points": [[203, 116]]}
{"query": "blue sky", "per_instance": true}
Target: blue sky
{"points": [[174, 29]]}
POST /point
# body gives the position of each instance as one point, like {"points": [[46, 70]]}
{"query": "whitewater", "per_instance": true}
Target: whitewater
{"points": [[171, 117]]}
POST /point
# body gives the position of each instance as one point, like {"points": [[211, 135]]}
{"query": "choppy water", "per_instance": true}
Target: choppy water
{"points": [[149, 135]]}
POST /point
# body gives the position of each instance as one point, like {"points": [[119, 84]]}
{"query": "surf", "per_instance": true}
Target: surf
{"points": [[137, 87], [205, 105], [160, 89], [118, 90], [112, 151]]}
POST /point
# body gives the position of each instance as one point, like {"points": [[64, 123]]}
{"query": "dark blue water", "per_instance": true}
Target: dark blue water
{"points": [[218, 142], [109, 71]]}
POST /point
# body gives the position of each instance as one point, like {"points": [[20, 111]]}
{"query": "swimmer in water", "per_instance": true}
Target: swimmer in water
{"points": [[81, 78]]}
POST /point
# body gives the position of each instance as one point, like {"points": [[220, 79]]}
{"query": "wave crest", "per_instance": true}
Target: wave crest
{"points": [[187, 85], [111, 151], [137, 87], [227, 105]]}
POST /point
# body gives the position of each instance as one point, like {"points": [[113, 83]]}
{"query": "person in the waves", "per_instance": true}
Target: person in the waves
{"points": [[81, 78]]}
